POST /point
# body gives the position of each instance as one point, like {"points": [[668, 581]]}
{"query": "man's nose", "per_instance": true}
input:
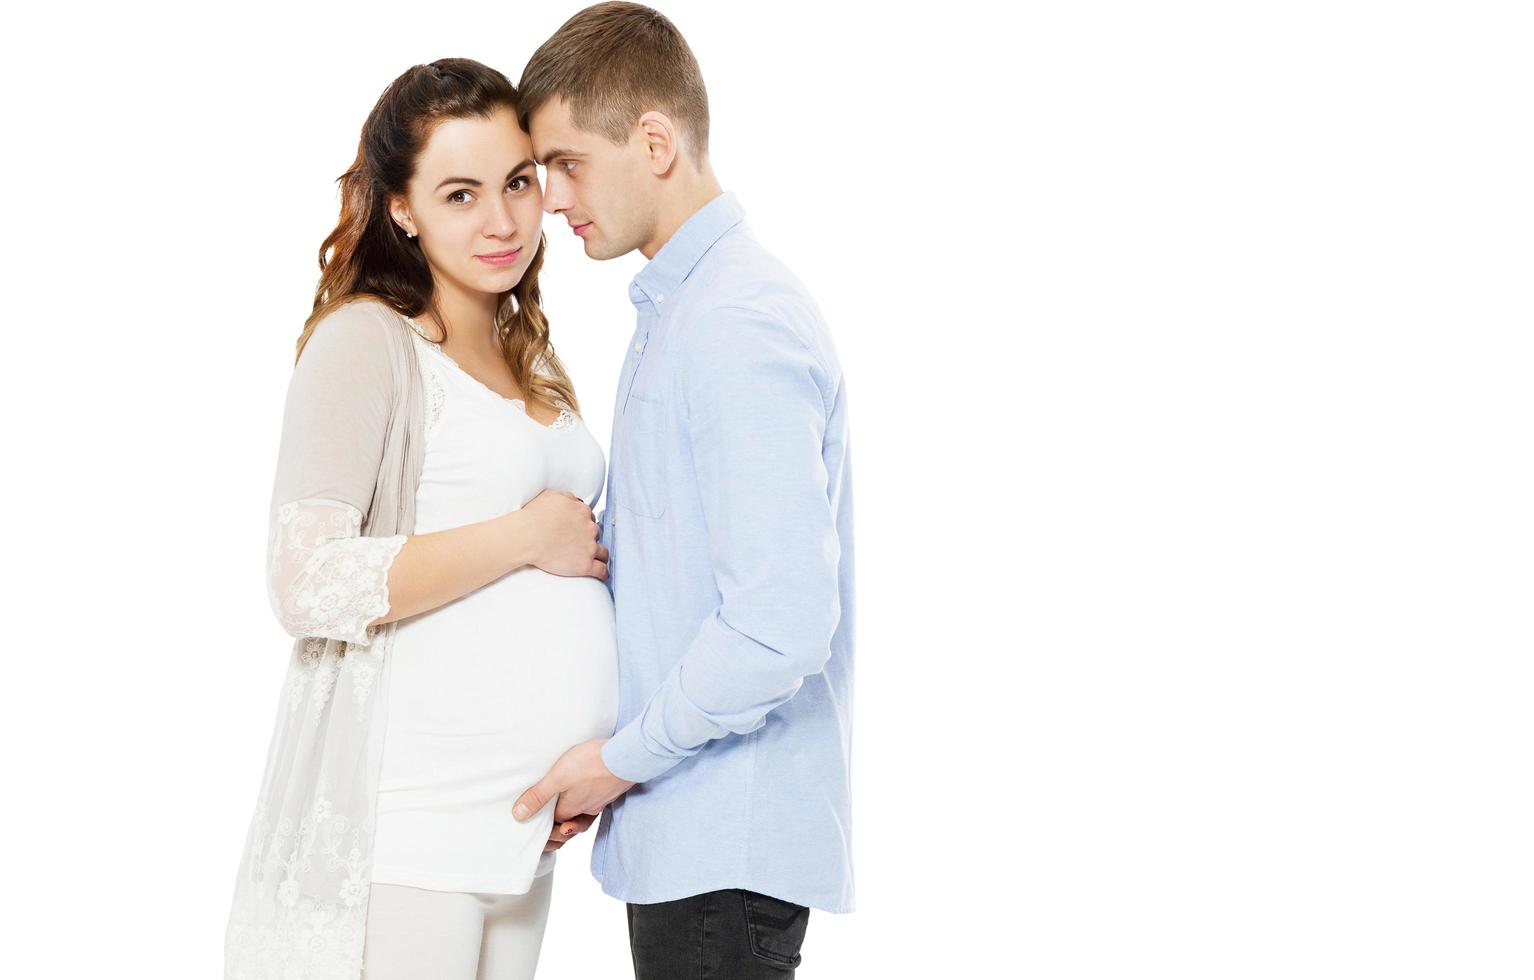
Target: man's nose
{"points": [[555, 198]]}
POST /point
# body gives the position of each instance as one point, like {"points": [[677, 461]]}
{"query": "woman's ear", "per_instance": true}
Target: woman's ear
{"points": [[400, 212]]}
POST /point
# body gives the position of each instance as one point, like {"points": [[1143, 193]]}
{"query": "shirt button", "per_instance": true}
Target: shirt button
{"points": [[639, 348], [660, 297]]}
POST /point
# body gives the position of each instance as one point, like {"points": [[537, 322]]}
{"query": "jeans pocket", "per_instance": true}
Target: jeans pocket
{"points": [[776, 928]]}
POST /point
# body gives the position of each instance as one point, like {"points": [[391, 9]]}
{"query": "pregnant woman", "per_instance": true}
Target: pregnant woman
{"points": [[433, 553]]}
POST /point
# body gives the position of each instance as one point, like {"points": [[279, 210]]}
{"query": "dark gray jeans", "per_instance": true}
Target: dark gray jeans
{"points": [[724, 935]]}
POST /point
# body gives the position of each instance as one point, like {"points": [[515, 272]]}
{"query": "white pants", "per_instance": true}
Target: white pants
{"points": [[416, 934]]}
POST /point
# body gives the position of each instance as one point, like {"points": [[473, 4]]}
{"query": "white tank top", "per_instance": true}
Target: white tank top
{"points": [[487, 691]]}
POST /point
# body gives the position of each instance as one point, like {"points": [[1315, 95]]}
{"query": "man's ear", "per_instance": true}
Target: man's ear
{"points": [[660, 141], [400, 212]]}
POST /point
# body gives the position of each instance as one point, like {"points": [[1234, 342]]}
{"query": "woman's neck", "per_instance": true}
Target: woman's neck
{"points": [[470, 319]]}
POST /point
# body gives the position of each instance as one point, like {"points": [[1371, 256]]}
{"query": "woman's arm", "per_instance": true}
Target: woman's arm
{"points": [[555, 532], [323, 577]]}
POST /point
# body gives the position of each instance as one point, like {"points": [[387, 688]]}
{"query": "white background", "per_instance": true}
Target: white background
{"points": [[1189, 350]]}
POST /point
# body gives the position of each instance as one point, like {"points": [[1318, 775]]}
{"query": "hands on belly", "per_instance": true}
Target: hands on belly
{"points": [[565, 830], [582, 782]]}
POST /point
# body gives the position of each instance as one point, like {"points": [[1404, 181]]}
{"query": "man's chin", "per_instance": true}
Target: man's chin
{"points": [[602, 251]]}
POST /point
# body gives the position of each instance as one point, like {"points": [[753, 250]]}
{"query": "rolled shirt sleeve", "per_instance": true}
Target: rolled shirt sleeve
{"points": [[756, 399]]}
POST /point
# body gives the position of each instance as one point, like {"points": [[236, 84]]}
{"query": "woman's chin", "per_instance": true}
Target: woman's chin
{"points": [[498, 280]]}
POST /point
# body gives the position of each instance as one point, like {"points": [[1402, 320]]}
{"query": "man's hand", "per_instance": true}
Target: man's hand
{"points": [[561, 833], [581, 781]]}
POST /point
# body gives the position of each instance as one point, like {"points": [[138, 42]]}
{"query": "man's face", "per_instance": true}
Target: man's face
{"points": [[604, 191]]}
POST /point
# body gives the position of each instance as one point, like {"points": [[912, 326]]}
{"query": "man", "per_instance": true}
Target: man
{"points": [[728, 522]]}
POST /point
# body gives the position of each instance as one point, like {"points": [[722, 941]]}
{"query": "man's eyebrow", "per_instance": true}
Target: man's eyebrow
{"points": [[476, 183], [556, 154]]}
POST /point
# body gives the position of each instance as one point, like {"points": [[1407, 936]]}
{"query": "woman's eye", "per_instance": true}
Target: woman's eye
{"points": [[458, 197], [519, 184]]}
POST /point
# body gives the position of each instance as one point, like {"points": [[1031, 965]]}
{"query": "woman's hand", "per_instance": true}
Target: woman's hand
{"points": [[565, 830], [554, 531], [562, 535]]}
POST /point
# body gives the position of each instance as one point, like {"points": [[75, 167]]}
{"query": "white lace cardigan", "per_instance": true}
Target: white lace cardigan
{"points": [[343, 501]]}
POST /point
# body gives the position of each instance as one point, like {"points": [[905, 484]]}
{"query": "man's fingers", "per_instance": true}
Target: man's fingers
{"points": [[534, 799]]}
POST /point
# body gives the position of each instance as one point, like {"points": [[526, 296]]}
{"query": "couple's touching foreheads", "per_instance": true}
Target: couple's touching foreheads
{"points": [[482, 664]]}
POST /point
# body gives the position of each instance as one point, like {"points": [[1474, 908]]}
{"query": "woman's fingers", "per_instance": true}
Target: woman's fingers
{"points": [[601, 554], [563, 830]]}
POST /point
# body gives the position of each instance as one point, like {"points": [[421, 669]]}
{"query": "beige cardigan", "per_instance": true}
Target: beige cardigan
{"points": [[343, 500]]}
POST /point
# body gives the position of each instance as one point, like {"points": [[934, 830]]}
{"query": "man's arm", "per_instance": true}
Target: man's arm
{"points": [[756, 400]]}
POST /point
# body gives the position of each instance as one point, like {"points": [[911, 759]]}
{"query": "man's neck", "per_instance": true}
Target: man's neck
{"points": [[688, 200]]}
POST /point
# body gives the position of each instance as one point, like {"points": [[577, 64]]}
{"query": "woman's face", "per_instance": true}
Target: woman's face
{"points": [[475, 203]]}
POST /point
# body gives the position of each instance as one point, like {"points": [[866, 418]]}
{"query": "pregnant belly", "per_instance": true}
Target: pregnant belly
{"points": [[496, 685]]}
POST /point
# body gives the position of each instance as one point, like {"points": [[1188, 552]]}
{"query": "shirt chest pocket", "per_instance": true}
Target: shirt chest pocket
{"points": [[641, 477]]}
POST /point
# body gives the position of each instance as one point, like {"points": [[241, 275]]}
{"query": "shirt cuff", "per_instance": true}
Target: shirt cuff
{"points": [[626, 757]]}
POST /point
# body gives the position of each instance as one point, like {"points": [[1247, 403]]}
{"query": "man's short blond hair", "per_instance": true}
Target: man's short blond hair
{"points": [[612, 63]]}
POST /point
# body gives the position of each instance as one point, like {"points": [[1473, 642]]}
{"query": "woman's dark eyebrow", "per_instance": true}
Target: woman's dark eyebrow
{"points": [[478, 183]]}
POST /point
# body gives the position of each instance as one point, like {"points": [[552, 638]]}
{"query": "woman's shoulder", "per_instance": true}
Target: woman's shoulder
{"points": [[361, 314], [365, 323]]}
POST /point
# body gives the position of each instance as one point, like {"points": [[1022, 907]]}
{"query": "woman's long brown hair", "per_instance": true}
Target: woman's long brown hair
{"points": [[368, 255]]}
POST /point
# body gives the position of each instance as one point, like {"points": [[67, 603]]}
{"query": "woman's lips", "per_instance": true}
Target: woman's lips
{"points": [[500, 258]]}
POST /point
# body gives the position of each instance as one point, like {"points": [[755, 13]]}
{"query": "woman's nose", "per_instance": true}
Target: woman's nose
{"points": [[500, 224]]}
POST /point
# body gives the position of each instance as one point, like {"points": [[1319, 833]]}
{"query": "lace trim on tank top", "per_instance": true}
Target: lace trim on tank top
{"points": [[435, 393]]}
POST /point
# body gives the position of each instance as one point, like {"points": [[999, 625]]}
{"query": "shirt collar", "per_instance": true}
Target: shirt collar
{"points": [[683, 250]]}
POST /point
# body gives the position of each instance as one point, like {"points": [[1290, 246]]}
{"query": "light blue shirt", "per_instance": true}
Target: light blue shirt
{"points": [[729, 526]]}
